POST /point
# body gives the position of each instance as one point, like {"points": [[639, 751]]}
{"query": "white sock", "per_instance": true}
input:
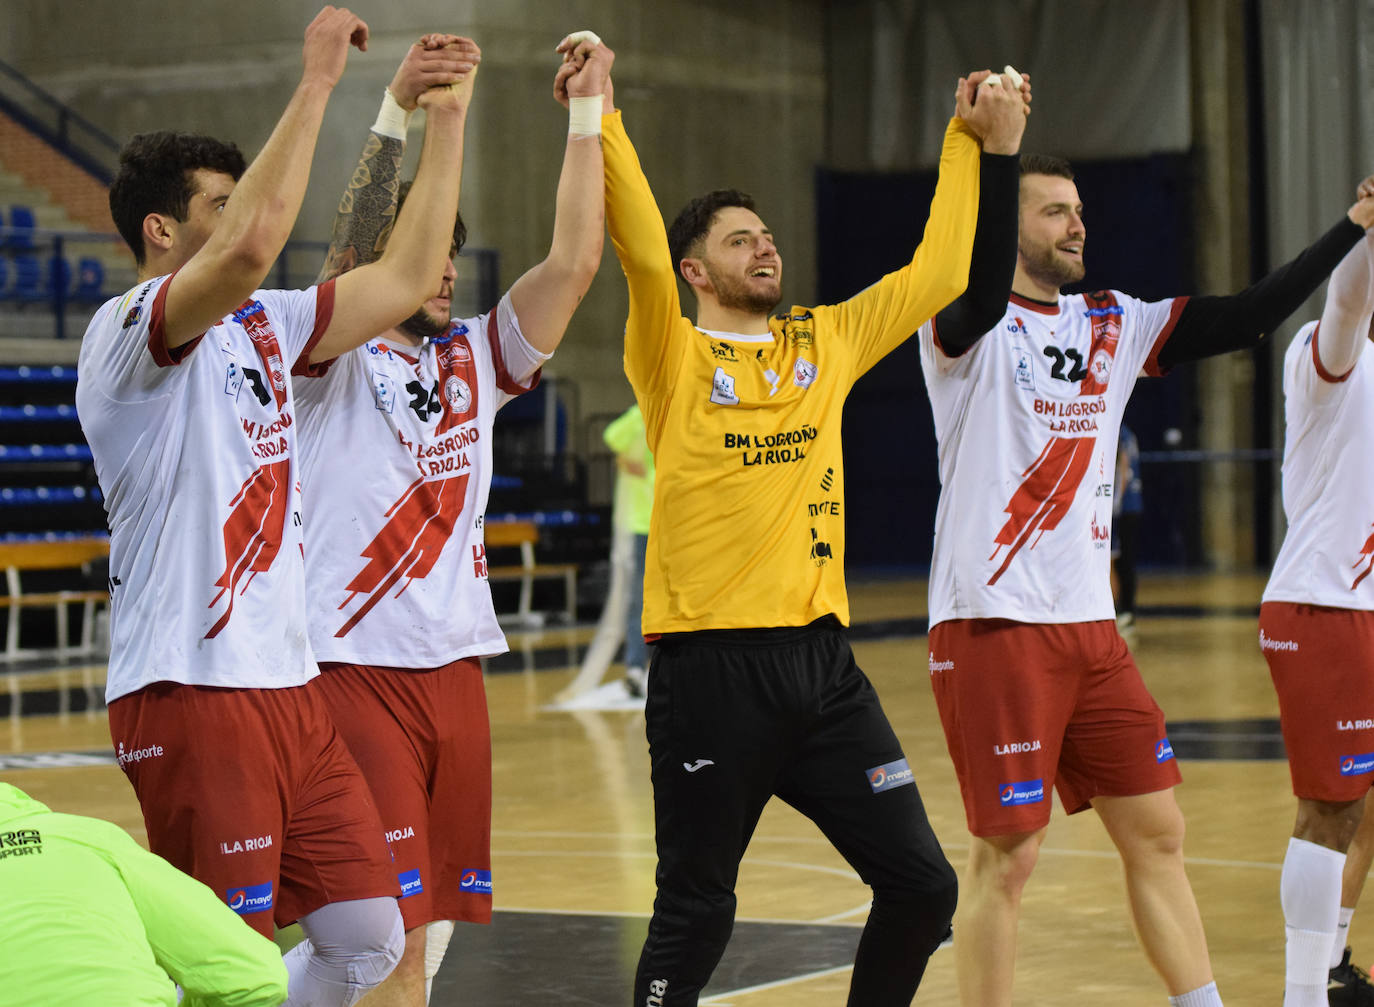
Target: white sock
{"points": [[1203, 996], [1310, 892], [1342, 937]]}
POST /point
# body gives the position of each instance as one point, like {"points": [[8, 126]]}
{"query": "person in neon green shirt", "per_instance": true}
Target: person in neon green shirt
{"points": [[634, 504], [93, 919]]}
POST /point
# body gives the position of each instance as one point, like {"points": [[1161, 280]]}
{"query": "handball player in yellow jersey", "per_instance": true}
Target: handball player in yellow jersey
{"points": [[753, 690]]}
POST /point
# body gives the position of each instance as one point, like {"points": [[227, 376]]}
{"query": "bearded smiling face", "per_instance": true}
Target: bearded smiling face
{"points": [[741, 262], [1052, 235]]}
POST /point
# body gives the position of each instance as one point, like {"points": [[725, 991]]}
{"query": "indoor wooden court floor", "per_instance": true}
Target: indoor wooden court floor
{"points": [[573, 835]]}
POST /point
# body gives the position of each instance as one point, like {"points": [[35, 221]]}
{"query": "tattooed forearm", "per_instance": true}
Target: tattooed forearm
{"points": [[367, 209]]}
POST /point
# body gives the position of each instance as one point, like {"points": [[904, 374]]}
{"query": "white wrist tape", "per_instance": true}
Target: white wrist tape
{"points": [[584, 116], [392, 119]]}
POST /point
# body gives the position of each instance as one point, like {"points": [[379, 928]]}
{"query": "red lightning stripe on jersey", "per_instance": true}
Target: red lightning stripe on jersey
{"points": [[1049, 485], [1366, 559], [418, 527], [253, 532], [1045, 495]]}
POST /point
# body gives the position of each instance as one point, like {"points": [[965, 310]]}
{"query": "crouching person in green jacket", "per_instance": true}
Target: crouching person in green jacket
{"points": [[90, 917]]}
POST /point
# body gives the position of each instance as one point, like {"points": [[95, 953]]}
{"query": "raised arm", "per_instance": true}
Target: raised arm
{"points": [[1208, 326], [1349, 304], [375, 297], [886, 313], [546, 296], [367, 209], [993, 264], [257, 218], [655, 326]]}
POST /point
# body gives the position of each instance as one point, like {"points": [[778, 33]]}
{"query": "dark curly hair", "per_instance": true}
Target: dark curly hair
{"points": [[155, 177], [694, 221]]}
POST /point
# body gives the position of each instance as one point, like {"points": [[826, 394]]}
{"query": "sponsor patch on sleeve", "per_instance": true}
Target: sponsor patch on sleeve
{"points": [[892, 774]]}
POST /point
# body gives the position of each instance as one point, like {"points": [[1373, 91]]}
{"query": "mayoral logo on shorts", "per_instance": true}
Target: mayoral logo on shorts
{"points": [[1357, 765], [250, 899], [475, 881], [458, 394], [1022, 792], [410, 883], [1163, 750]]}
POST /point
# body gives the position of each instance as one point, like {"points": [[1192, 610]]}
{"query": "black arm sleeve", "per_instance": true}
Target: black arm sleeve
{"points": [[990, 273], [1208, 326]]}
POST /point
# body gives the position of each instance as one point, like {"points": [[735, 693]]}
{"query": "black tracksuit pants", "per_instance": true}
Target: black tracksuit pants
{"points": [[736, 716]]}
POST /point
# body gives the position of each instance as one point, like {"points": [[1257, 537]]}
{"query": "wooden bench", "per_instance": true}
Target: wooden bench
{"points": [[524, 535], [18, 558]]}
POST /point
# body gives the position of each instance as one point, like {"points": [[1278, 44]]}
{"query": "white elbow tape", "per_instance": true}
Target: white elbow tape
{"points": [[392, 119], [584, 116]]}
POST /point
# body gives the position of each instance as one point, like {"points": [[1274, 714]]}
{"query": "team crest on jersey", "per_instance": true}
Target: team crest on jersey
{"points": [[1025, 369], [385, 392], [1101, 366], [277, 372], [723, 389], [458, 394], [804, 373]]}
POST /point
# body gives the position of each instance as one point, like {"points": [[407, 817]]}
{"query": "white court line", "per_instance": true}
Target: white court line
{"points": [[718, 1001], [837, 917], [633, 915], [1262, 865], [839, 872]]}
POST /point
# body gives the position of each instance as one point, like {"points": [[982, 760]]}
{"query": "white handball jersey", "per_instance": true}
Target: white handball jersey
{"points": [[1027, 424], [194, 448], [396, 462], [1328, 484]]}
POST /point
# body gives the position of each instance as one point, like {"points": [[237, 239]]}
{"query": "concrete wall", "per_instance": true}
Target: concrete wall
{"points": [[715, 94]]}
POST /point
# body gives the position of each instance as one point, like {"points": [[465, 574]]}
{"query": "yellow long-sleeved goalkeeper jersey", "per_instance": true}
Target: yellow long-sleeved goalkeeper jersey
{"points": [[748, 520]]}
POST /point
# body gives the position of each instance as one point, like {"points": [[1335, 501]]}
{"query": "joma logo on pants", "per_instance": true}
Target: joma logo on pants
{"points": [[658, 989]]}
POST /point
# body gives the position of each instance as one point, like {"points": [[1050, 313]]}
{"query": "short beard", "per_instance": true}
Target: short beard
{"points": [[422, 325], [737, 297], [1046, 268]]}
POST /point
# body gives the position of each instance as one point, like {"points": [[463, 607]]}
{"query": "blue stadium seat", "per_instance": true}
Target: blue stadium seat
{"points": [[4, 278], [22, 224], [28, 279], [90, 279]]}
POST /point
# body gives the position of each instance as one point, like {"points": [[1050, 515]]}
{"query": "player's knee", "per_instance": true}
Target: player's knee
{"points": [[707, 917], [925, 921], [1004, 862], [377, 952], [1328, 823]]}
